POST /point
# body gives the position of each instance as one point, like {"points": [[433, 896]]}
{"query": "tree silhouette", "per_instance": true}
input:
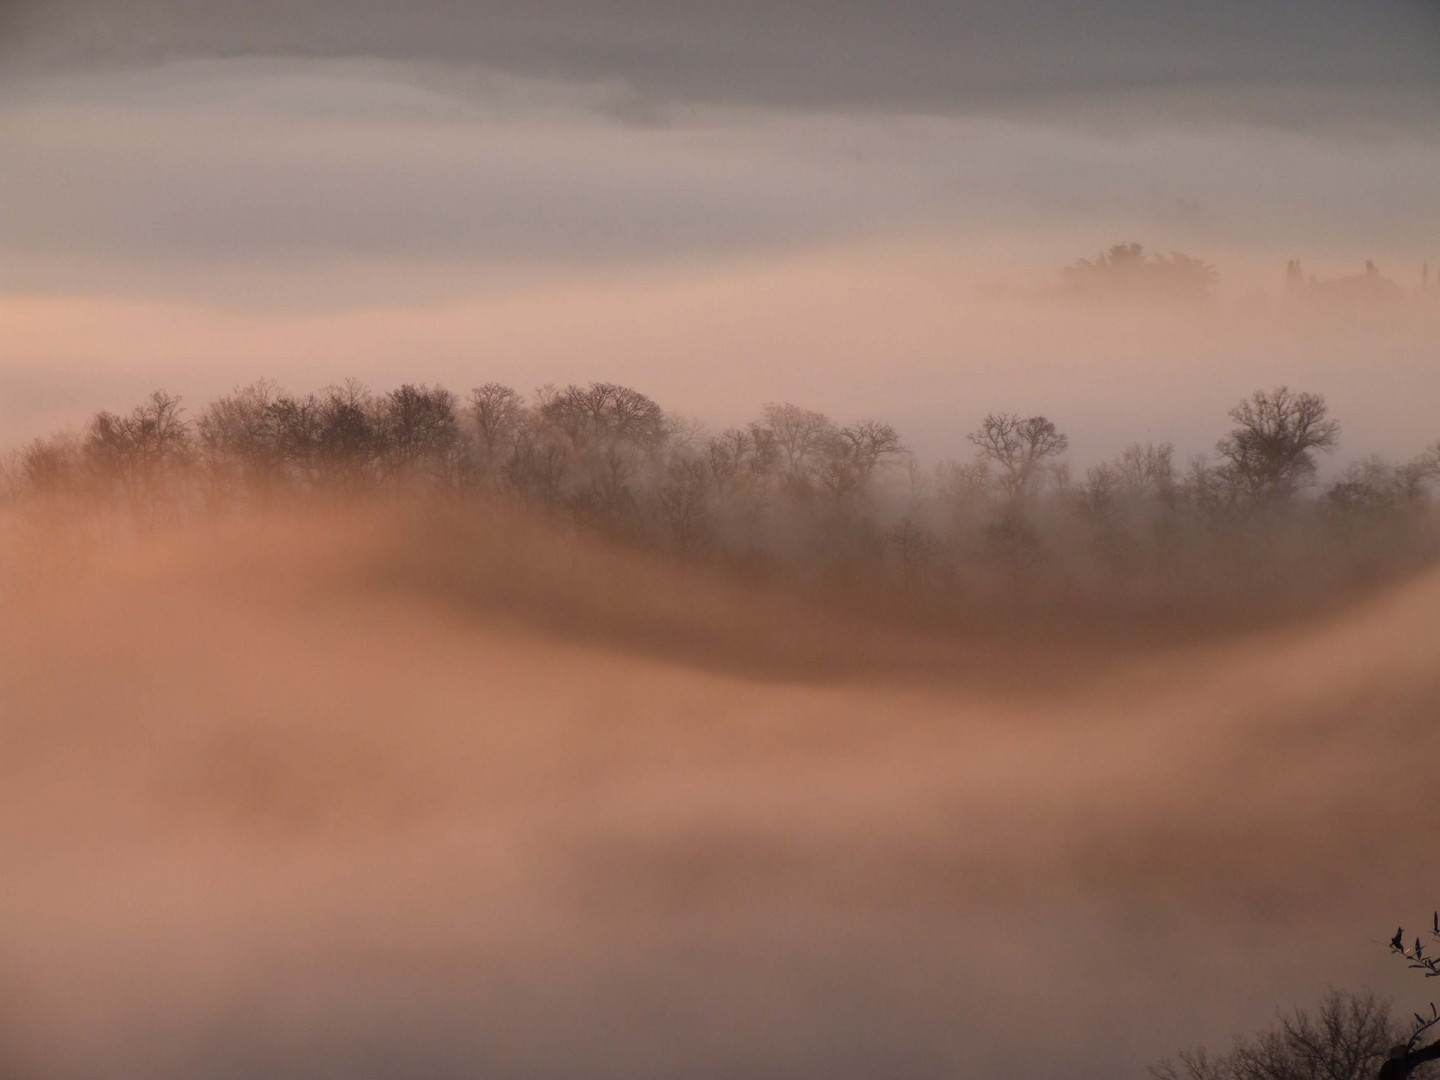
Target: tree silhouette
{"points": [[1347, 1037], [135, 452], [1125, 271], [1408, 1056], [604, 412], [790, 492], [350, 437], [799, 437], [497, 413], [1269, 454], [852, 455], [1019, 447]]}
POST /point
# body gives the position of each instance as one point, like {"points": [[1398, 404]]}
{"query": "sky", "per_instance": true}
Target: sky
{"points": [[860, 207]]}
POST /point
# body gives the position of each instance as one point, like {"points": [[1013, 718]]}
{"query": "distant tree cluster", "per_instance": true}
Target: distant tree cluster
{"points": [[791, 492], [1369, 289], [1126, 271]]}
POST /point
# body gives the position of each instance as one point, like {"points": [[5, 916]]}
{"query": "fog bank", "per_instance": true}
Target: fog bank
{"points": [[373, 796]]}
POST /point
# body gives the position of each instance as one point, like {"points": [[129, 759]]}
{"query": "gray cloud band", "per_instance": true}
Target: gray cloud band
{"points": [[1263, 59]]}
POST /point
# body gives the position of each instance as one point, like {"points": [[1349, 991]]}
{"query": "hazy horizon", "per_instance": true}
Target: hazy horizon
{"points": [[662, 195]]}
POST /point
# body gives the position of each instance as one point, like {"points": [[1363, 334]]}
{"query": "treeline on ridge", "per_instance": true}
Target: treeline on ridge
{"points": [[791, 493]]}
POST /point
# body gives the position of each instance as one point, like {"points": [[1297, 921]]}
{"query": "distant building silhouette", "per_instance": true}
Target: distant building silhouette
{"points": [[1369, 289], [1294, 278]]}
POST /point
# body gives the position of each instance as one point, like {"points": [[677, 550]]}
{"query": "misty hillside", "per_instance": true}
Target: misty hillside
{"points": [[679, 540], [1006, 530]]}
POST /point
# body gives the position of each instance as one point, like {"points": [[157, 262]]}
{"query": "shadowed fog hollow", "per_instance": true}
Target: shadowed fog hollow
{"points": [[385, 793]]}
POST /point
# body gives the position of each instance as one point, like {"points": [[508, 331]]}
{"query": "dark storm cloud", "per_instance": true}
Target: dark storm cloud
{"points": [[1267, 59]]}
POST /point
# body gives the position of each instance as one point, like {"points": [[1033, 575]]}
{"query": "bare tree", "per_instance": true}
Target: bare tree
{"points": [[851, 456], [1405, 1058], [537, 464], [350, 436], [1269, 454], [1101, 496], [1012, 538], [607, 495], [740, 464], [1020, 449], [964, 486], [498, 413], [799, 436], [1347, 1037], [1206, 491], [237, 437], [603, 412], [726, 455], [1417, 475], [681, 497], [138, 450], [298, 430], [914, 546], [1147, 470], [1372, 488], [419, 426], [51, 466]]}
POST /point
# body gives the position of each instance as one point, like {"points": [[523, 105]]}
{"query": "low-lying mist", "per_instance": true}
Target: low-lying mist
{"points": [[398, 789]]}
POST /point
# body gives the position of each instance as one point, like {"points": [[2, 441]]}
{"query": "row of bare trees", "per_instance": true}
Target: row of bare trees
{"points": [[792, 488], [1352, 1035]]}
